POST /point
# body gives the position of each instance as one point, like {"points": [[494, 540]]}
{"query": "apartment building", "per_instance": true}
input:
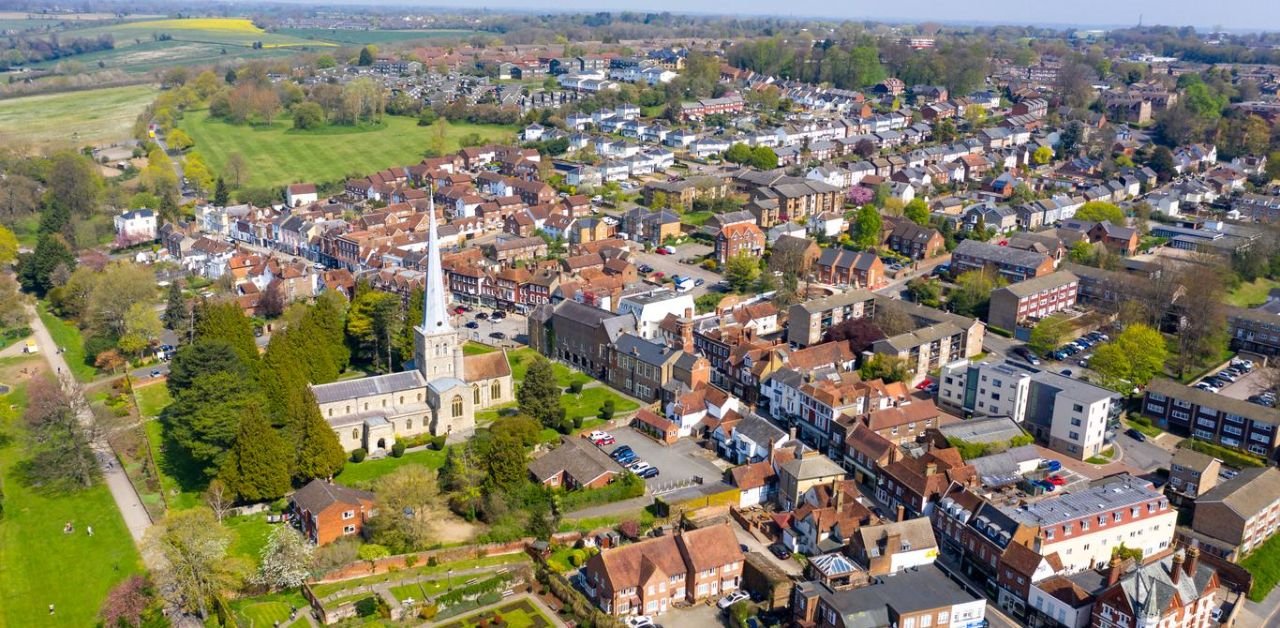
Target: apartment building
{"points": [[739, 239], [1216, 418], [1256, 331], [809, 321], [1012, 306], [1013, 264], [1238, 515], [915, 599], [652, 576]]}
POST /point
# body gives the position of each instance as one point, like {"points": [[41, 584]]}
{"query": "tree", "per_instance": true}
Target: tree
{"points": [[867, 227], [8, 246], [194, 546], [205, 418], [308, 115], [1243, 135], [178, 140], [273, 301], [1083, 252], [925, 291], [372, 322], [221, 196], [917, 211], [539, 395], [141, 320], [366, 56], [319, 454], [1098, 211], [1043, 155], [225, 321], [889, 368], [127, 602], [61, 444], [176, 311], [741, 271], [1048, 334], [74, 183], [1135, 356], [973, 292], [13, 304], [236, 168], [257, 467], [506, 462], [408, 509], [286, 560], [893, 320], [36, 271], [1202, 333], [763, 158], [738, 153], [218, 498]]}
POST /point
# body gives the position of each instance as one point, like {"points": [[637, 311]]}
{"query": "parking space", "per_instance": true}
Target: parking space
{"points": [[696, 616], [1252, 383], [677, 464], [671, 265], [514, 328]]}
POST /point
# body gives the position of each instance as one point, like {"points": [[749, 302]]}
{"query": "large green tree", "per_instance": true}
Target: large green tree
{"points": [[373, 324], [224, 320], [1136, 355], [539, 395], [1099, 211], [741, 271], [38, 271], [257, 467], [866, 228], [204, 419]]}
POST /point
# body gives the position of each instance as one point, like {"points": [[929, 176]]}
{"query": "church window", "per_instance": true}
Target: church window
{"points": [[355, 434], [457, 406], [348, 410], [330, 411], [366, 405], [419, 397], [495, 390], [408, 424], [384, 403], [475, 394], [402, 400]]}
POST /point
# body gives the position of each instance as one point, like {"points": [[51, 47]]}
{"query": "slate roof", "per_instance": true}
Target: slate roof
{"points": [[368, 386], [1000, 254], [577, 458], [318, 495], [1246, 494]]}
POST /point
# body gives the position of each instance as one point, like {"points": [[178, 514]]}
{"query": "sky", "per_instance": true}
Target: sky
{"points": [[1203, 14]]}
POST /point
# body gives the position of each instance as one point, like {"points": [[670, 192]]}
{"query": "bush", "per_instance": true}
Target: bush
{"points": [[359, 455], [397, 449], [373, 551], [437, 442], [606, 410], [577, 422], [575, 387]]}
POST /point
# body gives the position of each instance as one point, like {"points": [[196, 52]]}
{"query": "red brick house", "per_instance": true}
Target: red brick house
{"points": [[329, 511], [576, 463], [743, 237], [841, 267], [650, 577], [916, 241]]}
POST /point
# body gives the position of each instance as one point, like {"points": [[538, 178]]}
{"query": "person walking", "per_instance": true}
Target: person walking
{"points": [[89, 529]]}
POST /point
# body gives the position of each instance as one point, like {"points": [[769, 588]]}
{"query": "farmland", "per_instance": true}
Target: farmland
{"points": [[74, 118], [278, 155], [351, 37]]}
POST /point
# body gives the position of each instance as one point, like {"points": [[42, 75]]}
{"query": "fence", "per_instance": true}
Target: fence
{"points": [[667, 487]]}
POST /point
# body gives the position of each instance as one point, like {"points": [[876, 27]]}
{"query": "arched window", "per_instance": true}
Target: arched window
{"points": [[419, 397], [355, 434], [408, 424], [495, 390], [366, 405], [457, 406], [475, 394]]}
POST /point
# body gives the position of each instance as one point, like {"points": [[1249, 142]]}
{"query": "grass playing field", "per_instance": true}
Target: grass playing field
{"points": [[98, 116], [277, 155], [39, 565]]}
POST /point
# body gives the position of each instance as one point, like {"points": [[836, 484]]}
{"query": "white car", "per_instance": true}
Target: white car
{"points": [[638, 621], [732, 598], [638, 466]]}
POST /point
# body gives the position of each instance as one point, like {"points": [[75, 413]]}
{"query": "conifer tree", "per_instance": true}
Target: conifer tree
{"points": [[257, 467]]}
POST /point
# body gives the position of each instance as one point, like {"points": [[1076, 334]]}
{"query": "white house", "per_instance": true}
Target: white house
{"points": [[300, 194], [749, 440], [137, 225], [651, 308]]}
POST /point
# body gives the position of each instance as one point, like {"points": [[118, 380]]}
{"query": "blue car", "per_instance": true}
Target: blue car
{"points": [[649, 472], [626, 458], [622, 450]]}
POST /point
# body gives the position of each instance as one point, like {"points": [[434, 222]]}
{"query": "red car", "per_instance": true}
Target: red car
{"points": [[1057, 480], [923, 385], [659, 275]]}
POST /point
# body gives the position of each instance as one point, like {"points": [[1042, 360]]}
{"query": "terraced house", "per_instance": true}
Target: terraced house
{"points": [[652, 576]]}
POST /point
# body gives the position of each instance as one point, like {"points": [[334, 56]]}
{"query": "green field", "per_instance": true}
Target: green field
{"points": [[361, 38], [67, 336], [277, 155], [97, 116], [223, 31], [39, 565], [1252, 294]]}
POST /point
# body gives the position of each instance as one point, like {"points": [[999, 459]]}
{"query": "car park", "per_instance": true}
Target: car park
{"points": [[599, 437], [472, 325], [497, 335], [647, 472], [620, 451], [1056, 480], [645, 268], [731, 599]]}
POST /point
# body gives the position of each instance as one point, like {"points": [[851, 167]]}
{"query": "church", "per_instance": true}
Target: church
{"points": [[439, 395]]}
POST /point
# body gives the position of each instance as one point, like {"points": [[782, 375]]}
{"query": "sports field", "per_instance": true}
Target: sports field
{"points": [[278, 155], [98, 116]]}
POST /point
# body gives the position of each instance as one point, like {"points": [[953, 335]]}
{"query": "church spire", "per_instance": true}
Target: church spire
{"points": [[435, 313]]}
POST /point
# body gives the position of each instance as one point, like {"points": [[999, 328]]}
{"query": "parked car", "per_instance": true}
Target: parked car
{"points": [[621, 450], [156, 373], [1056, 480], [638, 467], [645, 268], [482, 316], [1051, 464], [647, 472], [1136, 435], [638, 621], [780, 550], [599, 437], [699, 282], [472, 325], [731, 599], [497, 335], [497, 316]]}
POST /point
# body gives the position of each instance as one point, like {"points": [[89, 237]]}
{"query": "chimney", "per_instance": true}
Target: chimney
{"points": [[902, 512], [835, 488], [930, 469], [1175, 569], [1193, 559], [892, 543], [685, 325], [771, 451], [1113, 574], [791, 434]]}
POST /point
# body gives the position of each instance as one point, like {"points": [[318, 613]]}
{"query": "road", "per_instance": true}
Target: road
{"points": [[122, 491], [1146, 455]]}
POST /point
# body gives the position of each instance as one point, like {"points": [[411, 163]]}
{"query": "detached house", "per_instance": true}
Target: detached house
{"points": [[330, 511], [739, 238]]}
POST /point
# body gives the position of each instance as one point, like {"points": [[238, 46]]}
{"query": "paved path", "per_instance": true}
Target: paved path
{"points": [[127, 500]]}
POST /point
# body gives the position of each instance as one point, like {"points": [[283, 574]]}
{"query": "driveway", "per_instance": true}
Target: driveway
{"points": [[1146, 455], [790, 566], [677, 464], [697, 616]]}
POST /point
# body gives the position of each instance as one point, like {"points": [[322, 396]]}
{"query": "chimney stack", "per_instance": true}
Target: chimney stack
{"points": [[772, 449], [902, 512], [835, 487], [1175, 569], [685, 325], [791, 434], [892, 543], [1113, 574], [1193, 559], [930, 469]]}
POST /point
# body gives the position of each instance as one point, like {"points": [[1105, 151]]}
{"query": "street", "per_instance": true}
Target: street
{"points": [[1146, 455]]}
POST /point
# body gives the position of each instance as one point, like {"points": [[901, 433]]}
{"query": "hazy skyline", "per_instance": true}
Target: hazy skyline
{"points": [[1229, 14]]}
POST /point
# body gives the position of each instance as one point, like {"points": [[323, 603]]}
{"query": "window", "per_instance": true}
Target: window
{"points": [[349, 529], [457, 406], [408, 424], [495, 390], [1075, 407], [348, 514], [355, 434], [475, 394], [331, 412]]}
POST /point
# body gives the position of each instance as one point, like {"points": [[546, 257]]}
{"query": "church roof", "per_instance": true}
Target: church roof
{"points": [[445, 383], [368, 386], [485, 366]]}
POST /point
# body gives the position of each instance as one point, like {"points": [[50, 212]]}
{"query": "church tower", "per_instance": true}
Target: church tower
{"points": [[437, 346]]}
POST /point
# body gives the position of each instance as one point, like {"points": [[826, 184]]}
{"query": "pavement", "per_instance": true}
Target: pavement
{"points": [[135, 515]]}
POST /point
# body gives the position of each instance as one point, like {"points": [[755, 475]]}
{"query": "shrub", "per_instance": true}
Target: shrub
{"points": [[606, 410], [577, 422], [373, 551], [432, 561], [397, 449], [358, 455], [437, 442], [575, 387], [410, 561]]}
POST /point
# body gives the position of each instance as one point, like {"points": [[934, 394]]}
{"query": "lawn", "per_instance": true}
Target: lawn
{"points": [[521, 358], [1252, 294], [476, 348], [360, 38], [152, 398], [180, 479], [251, 532], [1144, 425], [1264, 564], [39, 565], [95, 116], [370, 470], [267, 610], [440, 570], [277, 155], [67, 336], [517, 614]]}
